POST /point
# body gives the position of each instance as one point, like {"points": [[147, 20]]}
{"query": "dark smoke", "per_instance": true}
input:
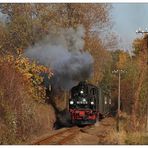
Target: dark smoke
{"points": [[63, 53]]}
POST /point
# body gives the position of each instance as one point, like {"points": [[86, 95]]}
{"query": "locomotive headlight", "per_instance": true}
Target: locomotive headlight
{"points": [[81, 91], [91, 103], [71, 102], [84, 100]]}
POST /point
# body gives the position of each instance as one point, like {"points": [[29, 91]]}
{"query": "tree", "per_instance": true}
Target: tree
{"points": [[28, 23], [141, 61], [102, 58]]}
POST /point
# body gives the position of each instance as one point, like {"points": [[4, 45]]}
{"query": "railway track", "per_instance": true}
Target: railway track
{"points": [[60, 137], [93, 134]]}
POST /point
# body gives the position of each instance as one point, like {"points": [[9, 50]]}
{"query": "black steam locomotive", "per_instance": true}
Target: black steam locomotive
{"points": [[87, 104]]}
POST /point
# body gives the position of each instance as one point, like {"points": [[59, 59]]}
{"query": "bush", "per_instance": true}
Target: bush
{"points": [[21, 94]]}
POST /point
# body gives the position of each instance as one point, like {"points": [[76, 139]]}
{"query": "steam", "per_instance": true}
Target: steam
{"points": [[63, 53]]}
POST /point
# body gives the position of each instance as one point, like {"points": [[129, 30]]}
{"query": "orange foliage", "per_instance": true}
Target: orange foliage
{"points": [[30, 73], [122, 60]]}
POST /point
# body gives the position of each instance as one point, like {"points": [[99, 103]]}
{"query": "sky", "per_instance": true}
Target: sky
{"points": [[127, 18]]}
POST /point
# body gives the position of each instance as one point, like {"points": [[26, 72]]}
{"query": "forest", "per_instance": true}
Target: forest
{"points": [[69, 43]]}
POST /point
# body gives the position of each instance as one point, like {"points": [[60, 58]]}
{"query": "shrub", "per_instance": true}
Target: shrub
{"points": [[20, 95]]}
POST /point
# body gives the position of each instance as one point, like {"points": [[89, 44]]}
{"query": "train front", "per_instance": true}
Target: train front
{"points": [[83, 105]]}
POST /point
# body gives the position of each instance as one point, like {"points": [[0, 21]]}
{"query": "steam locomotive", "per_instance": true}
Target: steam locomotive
{"points": [[87, 104]]}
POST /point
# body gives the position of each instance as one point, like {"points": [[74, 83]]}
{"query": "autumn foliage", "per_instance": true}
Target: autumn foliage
{"points": [[20, 87], [22, 93]]}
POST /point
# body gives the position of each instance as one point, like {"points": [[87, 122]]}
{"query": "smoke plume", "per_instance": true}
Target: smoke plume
{"points": [[63, 52]]}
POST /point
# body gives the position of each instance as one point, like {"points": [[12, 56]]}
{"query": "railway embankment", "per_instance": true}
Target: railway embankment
{"points": [[103, 132]]}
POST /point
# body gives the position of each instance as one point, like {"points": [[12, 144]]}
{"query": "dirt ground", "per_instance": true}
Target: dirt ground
{"points": [[102, 133]]}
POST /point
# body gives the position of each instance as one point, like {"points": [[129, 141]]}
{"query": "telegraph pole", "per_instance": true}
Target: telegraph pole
{"points": [[119, 72]]}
